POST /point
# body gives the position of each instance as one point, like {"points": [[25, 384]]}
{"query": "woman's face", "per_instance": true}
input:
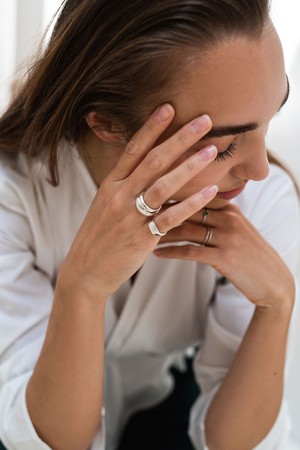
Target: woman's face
{"points": [[241, 84]]}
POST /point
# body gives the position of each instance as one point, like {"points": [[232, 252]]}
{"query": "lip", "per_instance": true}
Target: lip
{"points": [[228, 195]]}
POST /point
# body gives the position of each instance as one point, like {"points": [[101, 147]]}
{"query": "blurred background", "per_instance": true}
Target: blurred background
{"points": [[23, 21]]}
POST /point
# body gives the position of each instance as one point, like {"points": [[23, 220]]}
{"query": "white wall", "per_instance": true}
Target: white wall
{"points": [[284, 140], [283, 133], [8, 18], [21, 22]]}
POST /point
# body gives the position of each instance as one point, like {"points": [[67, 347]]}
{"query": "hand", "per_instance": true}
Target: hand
{"points": [[238, 252], [114, 239]]}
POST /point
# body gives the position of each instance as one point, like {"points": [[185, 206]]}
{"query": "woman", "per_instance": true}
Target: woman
{"points": [[105, 297]]}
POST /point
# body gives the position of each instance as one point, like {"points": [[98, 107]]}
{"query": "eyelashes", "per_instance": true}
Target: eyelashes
{"points": [[228, 153]]}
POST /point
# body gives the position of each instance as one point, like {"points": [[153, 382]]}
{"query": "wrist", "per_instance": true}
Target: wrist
{"points": [[280, 302], [281, 309], [75, 289], [70, 292]]}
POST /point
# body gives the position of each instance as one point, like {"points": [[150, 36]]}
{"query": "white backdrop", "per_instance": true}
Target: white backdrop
{"points": [[21, 23]]}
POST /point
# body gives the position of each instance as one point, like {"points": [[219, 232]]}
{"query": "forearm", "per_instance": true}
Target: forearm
{"points": [[65, 393], [247, 404]]}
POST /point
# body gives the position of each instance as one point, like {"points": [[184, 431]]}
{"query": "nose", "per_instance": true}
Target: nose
{"points": [[253, 164]]}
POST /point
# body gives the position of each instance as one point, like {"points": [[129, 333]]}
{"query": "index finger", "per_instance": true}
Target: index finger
{"points": [[142, 141]]}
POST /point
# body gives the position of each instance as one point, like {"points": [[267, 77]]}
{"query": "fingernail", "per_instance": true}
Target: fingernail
{"points": [[201, 123], [210, 191], [208, 153], [164, 112]]}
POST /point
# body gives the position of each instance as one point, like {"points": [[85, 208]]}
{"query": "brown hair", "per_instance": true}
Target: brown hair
{"points": [[114, 57]]}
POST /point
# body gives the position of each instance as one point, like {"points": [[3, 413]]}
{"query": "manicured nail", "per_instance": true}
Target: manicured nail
{"points": [[210, 191], [201, 123], [208, 153], [164, 112]]}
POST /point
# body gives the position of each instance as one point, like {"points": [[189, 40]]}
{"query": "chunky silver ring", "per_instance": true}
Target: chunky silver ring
{"points": [[154, 230], [143, 208], [205, 215], [208, 236]]}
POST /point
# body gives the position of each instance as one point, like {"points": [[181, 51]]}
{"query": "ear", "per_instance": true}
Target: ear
{"points": [[104, 129]]}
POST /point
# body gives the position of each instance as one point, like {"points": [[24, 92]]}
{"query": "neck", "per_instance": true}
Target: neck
{"points": [[99, 157]]}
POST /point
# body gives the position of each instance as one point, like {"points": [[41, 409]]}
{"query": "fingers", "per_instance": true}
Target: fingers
{"points": [[196, 251], [220, 218], [159, 159], [175, 215], [195, 233], [220, 228], [166, 186], [206, 217], [205, 255], [143, 141]]}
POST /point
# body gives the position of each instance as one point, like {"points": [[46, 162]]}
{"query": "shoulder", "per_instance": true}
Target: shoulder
{"points": [[272, 206], [26, 179], [53, 214], [262, 198], [15, 179]]}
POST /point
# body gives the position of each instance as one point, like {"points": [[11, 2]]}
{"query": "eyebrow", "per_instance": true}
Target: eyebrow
{"points": [[232, 130]]}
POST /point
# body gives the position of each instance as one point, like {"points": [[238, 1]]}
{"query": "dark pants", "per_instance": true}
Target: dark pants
{"points": [[164, 427]]}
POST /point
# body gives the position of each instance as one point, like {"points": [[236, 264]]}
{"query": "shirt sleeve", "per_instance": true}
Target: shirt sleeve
{"points": [[25, 302], [26, 295], [229, 315]]}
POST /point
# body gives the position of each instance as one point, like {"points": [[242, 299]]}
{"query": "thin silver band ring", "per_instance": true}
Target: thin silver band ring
{"points": [[205, 215]]}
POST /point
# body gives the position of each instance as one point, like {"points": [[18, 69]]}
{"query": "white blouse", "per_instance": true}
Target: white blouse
{"points": [[166, 311]]}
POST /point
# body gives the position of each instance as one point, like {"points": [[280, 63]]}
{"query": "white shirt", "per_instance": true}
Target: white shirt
{"points": [[165, 312]]}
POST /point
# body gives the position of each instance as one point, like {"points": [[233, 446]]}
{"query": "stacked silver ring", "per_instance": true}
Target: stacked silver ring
{"points": [[146, 210], [143, 208], [208, 236]]}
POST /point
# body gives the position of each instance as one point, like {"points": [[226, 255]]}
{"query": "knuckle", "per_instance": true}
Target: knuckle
{"points": [[236, 223], [105, 185], [132, 148], [183, 136], [230, 221], [185, 232], [151, 126], [168, 221], [233, 208], [160, 190], [191, 165], [182, 231], [116, 203], [193, 203], [153, 161], [189, 251]]}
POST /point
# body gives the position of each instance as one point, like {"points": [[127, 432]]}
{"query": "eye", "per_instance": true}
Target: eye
{"points": [[228, 153]]}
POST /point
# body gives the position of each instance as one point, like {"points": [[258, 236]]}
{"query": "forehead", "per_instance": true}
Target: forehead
{"points": [[241, 80]]}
